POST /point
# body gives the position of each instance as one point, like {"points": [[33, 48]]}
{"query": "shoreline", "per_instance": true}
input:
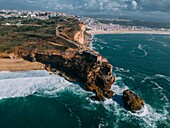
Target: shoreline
{"points": [[102, 32], [7, 64], [19, 65]]}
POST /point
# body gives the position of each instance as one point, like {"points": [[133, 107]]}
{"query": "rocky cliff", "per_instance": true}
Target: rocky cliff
{"points": [[82, 37], [68, 53], [83, 65], [62, 44]]}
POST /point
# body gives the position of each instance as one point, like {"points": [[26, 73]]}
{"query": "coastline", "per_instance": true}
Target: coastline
{"points": [[19, 65], [7, 64], [101, 32]]}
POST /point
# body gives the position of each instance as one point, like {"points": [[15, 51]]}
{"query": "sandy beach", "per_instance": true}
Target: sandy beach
{"points": [[19, 65], [97, 32]]}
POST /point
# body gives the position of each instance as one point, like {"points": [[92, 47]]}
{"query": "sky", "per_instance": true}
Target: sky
{"points": [[129, 8]]}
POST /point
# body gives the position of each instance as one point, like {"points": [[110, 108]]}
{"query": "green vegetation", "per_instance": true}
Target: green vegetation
{"points": [[38, 31], [69, 26]]}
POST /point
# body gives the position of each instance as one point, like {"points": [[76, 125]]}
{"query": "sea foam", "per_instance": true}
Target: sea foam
{"points": [[140, 47], [147, 116], [19, 84]]}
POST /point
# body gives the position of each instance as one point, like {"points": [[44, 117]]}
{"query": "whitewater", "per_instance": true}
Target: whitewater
{"points": [[46, 100]]}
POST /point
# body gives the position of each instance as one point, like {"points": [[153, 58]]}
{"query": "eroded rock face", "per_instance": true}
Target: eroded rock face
{"points": [[88, 67], [100, 80], [132, 101], [68, 53]]}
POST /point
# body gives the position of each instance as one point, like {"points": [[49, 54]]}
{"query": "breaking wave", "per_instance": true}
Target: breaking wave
{"points": [[92, 44], [121, 69], [21, 84], [147, 116], [157, 76], [103, 42], [40, 83], [156, 110], [140, 47]]}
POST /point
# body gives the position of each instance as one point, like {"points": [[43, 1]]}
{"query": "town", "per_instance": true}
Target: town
{"points": [[91, 23], [95, 24]]}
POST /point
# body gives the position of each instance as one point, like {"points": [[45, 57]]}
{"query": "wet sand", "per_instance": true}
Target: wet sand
{"points": [[96, 32]]}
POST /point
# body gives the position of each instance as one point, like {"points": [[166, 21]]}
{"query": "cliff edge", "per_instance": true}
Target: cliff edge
{"points": [[62, 45], [67, 53]]}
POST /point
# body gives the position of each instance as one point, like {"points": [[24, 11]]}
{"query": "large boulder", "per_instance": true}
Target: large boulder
{"points": [[132, 101]]}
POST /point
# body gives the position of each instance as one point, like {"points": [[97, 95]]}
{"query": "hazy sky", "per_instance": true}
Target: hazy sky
{"points": [[151, 8]]}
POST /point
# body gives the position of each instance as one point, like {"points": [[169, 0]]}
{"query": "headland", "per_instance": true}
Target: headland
{"points": [[58, 44]]}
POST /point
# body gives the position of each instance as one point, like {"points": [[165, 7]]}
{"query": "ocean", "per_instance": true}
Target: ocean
{"points": [[36, 99]]}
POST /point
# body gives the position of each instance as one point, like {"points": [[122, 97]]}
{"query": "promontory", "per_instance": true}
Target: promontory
{"points": [[60, 45]]}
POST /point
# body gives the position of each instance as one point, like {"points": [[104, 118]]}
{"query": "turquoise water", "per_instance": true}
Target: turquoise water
{"points": [[35, 99]]}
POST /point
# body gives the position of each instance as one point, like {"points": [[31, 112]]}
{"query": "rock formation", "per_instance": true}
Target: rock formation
{"points": [[62, 44], [69, 54], [84, 65], [132, 101]]}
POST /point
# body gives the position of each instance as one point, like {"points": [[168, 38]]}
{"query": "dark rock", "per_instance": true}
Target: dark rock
{"points": [[132, 101], [68, 52], [109, 94], [96, 77], [53, 70]]}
